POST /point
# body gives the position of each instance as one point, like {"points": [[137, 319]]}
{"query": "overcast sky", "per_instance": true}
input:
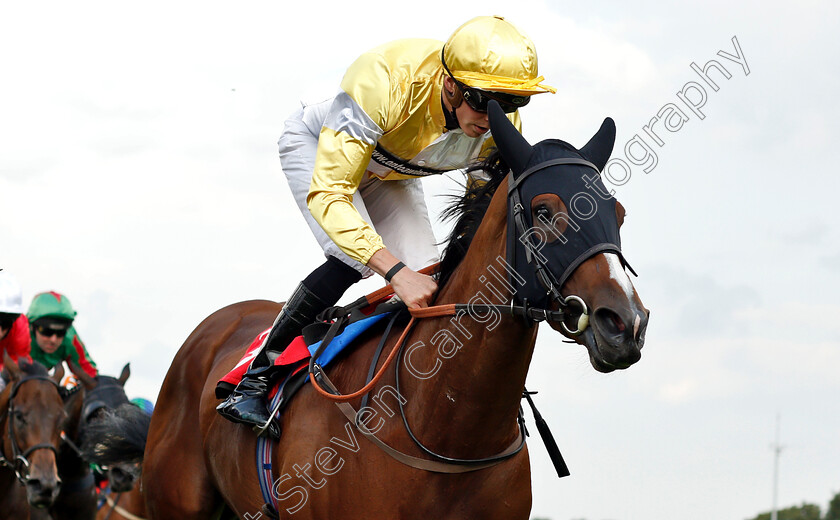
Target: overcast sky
{"points": [[139, 176]]}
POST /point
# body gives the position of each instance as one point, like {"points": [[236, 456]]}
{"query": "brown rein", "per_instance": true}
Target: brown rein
{"points": [[446, 465], [373, 299]]}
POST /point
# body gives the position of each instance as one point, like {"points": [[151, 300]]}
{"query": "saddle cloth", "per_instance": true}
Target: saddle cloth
{"points": [[296, 356]]}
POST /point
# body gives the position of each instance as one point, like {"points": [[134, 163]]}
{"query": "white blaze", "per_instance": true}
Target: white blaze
{"points": [[618, 274]]}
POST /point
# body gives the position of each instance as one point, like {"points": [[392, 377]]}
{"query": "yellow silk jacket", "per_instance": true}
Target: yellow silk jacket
{"points": [[388, 122]]}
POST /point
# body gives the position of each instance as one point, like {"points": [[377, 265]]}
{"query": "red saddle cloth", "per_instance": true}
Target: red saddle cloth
{"points": [[292, 355], [296, 355]]}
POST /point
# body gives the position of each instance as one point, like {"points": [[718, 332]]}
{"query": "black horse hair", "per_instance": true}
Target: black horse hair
{"points": [[469, 210], [118, 436]]}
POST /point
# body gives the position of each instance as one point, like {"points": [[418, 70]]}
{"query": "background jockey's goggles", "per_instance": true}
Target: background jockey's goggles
{"points": [[478, 99], [50, 332]]}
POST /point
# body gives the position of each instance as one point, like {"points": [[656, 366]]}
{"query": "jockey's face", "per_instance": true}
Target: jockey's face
{"points": [[472, 123], [48, 344]]}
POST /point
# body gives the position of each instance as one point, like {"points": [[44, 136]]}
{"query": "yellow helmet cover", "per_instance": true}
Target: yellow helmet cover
{"points": [[490, 53]]}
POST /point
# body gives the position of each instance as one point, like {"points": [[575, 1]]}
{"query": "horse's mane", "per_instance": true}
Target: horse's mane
{"points": [[469, 210], [118, 436]]}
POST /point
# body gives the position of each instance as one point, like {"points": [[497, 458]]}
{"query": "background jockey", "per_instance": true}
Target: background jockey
{"points": [[144, 404], [406, 109], [54, 338], [14, 327]]}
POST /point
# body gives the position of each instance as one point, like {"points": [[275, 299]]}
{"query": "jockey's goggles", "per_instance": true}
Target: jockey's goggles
{"points": [[478, 99], [7, 319], [49, 332]]}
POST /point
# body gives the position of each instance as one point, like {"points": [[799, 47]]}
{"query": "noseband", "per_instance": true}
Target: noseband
{"points": [[19, 462]]}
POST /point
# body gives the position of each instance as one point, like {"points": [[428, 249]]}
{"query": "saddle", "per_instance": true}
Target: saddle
{"points": [[296, 356]]}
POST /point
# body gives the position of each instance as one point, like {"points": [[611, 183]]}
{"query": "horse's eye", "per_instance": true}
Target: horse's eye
{"points": [[19, 417], [543, 211]]}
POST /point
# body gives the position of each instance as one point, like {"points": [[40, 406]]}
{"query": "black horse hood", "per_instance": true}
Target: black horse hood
{"points": [[556, 167]]}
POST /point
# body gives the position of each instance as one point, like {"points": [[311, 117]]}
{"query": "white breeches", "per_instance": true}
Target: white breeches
{"points": [[396, 209]]}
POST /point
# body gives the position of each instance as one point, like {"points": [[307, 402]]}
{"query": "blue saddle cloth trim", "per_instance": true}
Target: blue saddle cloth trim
{"points": [[350, 333]]}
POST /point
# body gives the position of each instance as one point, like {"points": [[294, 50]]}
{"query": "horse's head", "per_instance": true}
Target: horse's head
{"points": [[101, 392], [106, 393], [123, 476], [32, 416], [563, 241]]}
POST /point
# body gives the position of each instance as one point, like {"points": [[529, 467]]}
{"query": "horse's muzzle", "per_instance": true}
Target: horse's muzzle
{"points": [[616, 337], [42, 492]]}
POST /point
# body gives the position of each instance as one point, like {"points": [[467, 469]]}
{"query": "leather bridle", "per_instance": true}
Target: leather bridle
{"points": [[19, 461]]}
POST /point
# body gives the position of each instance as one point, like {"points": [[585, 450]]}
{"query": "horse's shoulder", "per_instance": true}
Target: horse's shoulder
{"points": [[244, 309], [231, 328]]}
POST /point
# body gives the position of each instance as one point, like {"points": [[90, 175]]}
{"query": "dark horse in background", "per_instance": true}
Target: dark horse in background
{"points": [[123, 500], [32, 416], [460, 381], [106, 395]]}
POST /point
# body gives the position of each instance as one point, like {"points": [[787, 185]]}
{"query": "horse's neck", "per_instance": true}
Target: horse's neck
{"points": [[69, 462], [483, 358]]}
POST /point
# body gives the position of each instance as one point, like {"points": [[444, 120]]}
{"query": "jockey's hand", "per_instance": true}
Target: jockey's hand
{"points": [[414, 289]]}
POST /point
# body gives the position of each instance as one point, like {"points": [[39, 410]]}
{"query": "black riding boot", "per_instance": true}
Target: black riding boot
{"points": [[247, 404], [321, 289]]}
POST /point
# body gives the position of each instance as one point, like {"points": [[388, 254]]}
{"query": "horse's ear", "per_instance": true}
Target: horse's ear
{"points": [[513, 147], [126, 372], [599, 148], [11, 366], [88, 381], [58, 374]]}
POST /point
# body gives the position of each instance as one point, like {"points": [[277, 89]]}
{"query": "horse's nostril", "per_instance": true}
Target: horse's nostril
{"points": [[610, 322], [619, 325], [40, 488]]}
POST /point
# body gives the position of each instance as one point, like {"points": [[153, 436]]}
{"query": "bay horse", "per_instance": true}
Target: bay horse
{"points": [[77, 499], [460, 380], [32, 416]]}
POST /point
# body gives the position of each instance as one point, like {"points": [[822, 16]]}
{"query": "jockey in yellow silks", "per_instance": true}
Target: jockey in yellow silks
{"points": [[406, 109]]}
